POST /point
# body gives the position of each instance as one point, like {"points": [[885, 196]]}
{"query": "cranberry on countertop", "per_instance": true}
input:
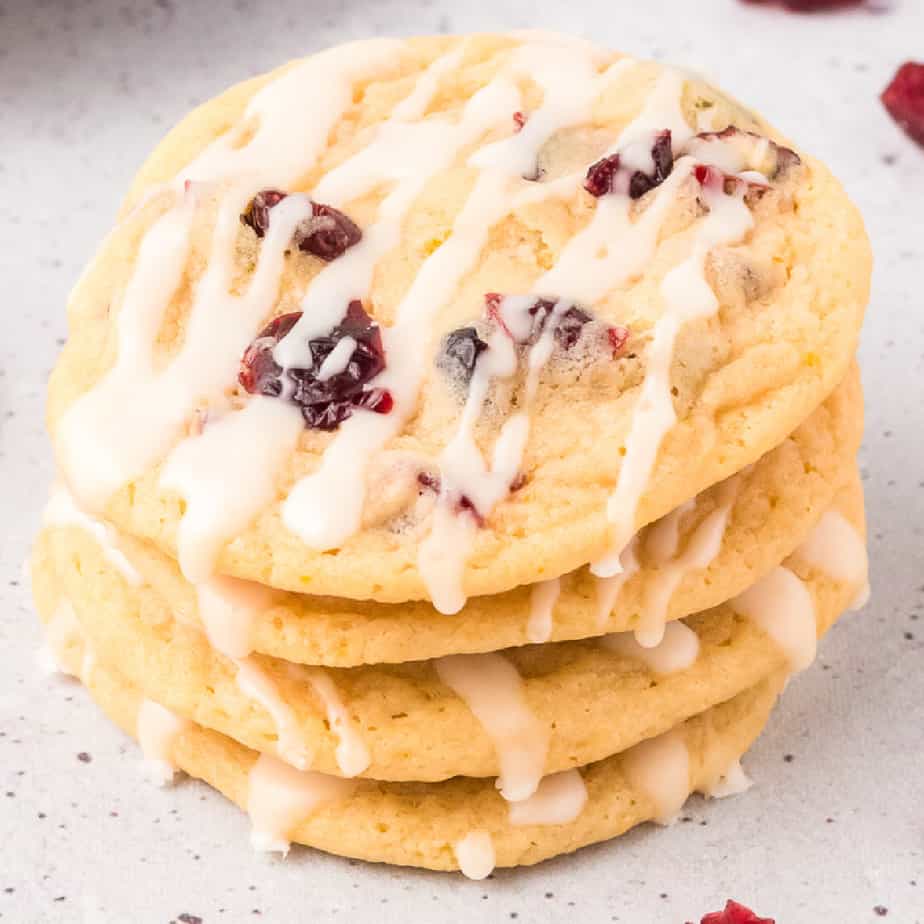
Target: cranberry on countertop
{"points": [[810, 6], [735, 913], [904, 99]]}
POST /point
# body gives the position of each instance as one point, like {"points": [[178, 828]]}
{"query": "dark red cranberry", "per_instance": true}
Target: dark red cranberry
{"points": [[904, 99], [260, 374], [327, 234], [519, 120], [570, 323], [608, 175], [568, 328], [734, 913], [461, 503], [429, 482], [256, 215], [460, 351], [324, 404], [810, 6]]}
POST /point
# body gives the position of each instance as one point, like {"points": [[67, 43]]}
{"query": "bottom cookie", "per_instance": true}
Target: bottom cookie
{"points": [[462, 823]]}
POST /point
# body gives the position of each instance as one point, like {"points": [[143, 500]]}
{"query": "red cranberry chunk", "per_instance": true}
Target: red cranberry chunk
{"points": [[613, 174], [569, 326], [904, 99], [460, 351], [256, 215], [734, 913], [324, 402], [260, 374], [519, 120], [327, 234], [812, 6]]}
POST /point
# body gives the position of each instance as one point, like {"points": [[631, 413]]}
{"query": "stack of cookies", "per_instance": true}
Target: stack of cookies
{"points": [[457, 444]]}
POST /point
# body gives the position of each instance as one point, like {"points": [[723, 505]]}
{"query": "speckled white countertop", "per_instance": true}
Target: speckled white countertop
{"points": [[835, 825]]}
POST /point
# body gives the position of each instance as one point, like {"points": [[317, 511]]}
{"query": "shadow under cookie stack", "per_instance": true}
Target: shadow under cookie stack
{"points": [[457, 447]]}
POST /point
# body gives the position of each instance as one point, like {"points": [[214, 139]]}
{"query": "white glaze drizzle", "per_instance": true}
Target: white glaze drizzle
{"points": [[326, 507], [352, 754], [660, 768], [279, 798], [588, 267], [157, 729], [61, 510], [256, 683], [677, 650], [492, 688], [732, 782], [662, 538], [559, 800], [542, 599], [103, 441], [701, 549], [781, 605], [227, 610], [836, 548], [686, 296], [226, 474], [609, 588], [475, 854]]}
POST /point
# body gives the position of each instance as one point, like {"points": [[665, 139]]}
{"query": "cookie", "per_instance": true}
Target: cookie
{"points": [[461, 823], [738, 529], [516, 714], [485, 308]]}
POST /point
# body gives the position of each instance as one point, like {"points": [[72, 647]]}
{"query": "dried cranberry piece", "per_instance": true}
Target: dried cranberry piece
{"points": [[260, 374], [600, 178], [327, 234], [735, 913], [568, 328], [460, 351], [608, 174], [324, 403], [519, 120], [570, 323], [256, 215], [429, 481], [462, 503], [904, 99], [811, 6]]}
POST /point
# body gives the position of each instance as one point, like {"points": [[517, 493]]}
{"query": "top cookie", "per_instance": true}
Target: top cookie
{"points": [[430, 318]]}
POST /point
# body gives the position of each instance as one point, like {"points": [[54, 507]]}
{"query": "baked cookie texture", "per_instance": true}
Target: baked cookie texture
{"points": [[789, 285], [763, 512], [456, 443], [414, 726]]}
